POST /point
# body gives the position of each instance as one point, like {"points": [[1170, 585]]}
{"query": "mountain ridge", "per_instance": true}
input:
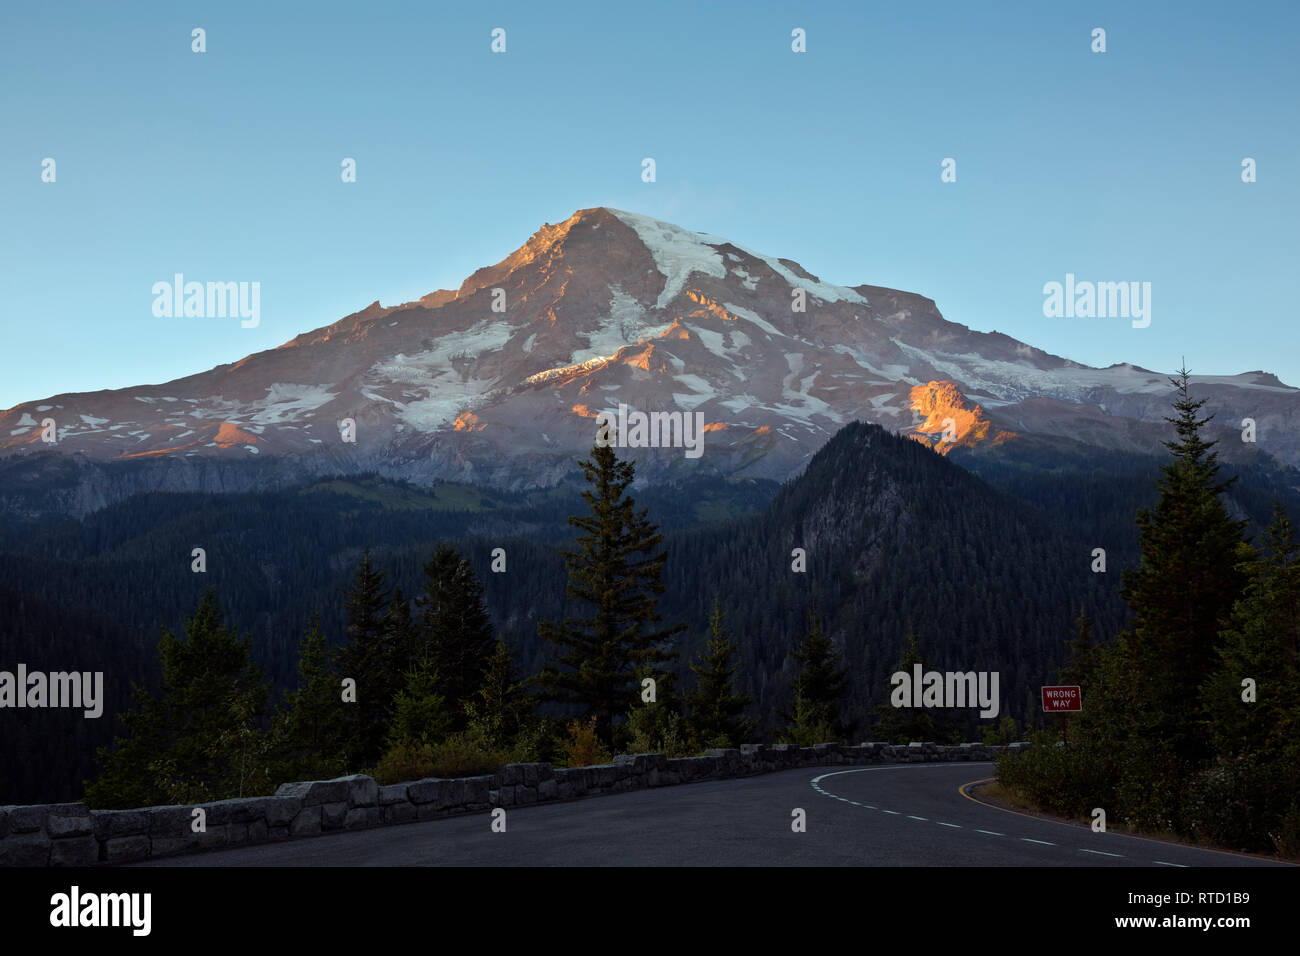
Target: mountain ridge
{"points": [[498, 381]]}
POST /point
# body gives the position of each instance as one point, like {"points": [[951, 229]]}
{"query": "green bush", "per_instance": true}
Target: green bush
{"points": [[462, 754], [1069, 780], [1286, 839], [1244, 804]]}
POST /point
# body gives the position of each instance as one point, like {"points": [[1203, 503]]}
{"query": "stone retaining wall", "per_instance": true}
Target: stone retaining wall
{"points": [[70, 834]]}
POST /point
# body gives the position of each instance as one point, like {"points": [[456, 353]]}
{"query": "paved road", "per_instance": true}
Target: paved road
{"points": [[906, 815]]}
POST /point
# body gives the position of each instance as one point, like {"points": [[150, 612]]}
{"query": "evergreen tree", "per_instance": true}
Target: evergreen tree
{"points": [[501, 706], [654, 726], [1083, 652], [311, 727], [420, 713], [369, 659], [456, 639], [1080, 665], [617, 574], [716, 707], [400, 636], [193, 740], [818, 688], [901, 725], [1183, 589], [1262, 644]]}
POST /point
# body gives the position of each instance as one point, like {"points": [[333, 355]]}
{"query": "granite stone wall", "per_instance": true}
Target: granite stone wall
{"points": [[70, 834]]}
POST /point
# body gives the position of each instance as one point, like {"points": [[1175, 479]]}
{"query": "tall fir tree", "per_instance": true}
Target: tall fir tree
{"points": [[1082, 659], [1183, 590], [192, 740], [310, 728], [368, 658], [616, 574], [1079, 665], [400, 633], [455, 640], [818, 688], [717, 708]]}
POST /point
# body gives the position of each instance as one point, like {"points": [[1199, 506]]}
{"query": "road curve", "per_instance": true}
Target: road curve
{"points": [[895, 815]]}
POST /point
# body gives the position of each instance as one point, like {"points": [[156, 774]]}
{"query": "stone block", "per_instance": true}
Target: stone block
{"points": [[428, 790], [25, 849], [169, 846], [452, 795], [170, 821], [315, 792], [280, 811], [400, 813], [306, 823], [476, 789], [74, 851], [237, 810], [68, 820], [332, 815], [126, 849], [535, 773], [359, 818], [25, 819], [112, 823], [214, 837], [363, 791]]}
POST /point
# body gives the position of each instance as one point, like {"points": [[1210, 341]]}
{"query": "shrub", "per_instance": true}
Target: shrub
{"points": [[582, 748], [1069, 780], [1244, 804], [464, 754], [1286, 839]]}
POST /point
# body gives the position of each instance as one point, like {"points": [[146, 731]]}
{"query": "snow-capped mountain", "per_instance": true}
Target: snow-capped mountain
{"points": [[501, 380]]}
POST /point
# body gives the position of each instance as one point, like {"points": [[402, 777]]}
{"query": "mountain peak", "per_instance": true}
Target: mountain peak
{"points": [[499, 381]]}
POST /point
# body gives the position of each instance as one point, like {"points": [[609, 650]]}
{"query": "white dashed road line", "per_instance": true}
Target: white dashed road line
{"points": [[816, 785]]}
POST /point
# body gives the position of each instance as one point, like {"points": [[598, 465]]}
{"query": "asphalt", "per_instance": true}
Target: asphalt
{"points": [[897, 815]]}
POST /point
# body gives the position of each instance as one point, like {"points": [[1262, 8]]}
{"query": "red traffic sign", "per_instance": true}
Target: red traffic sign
{"points": [[1062, 699]]}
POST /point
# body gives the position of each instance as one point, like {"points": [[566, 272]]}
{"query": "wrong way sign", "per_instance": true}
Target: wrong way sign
{"points": [[1062, 699]]}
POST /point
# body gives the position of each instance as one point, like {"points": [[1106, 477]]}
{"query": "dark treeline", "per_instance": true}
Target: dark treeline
{"points": [[897, 542], [1190, 716]]}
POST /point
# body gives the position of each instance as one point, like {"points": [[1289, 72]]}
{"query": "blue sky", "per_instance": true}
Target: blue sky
{"points": [[1122, 166]]}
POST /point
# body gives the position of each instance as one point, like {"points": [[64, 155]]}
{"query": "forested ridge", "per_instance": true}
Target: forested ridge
{"points": [[897, 541]]}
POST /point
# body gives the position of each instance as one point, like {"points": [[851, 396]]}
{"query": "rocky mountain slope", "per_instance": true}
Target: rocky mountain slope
{"points": [[500, 381]]}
